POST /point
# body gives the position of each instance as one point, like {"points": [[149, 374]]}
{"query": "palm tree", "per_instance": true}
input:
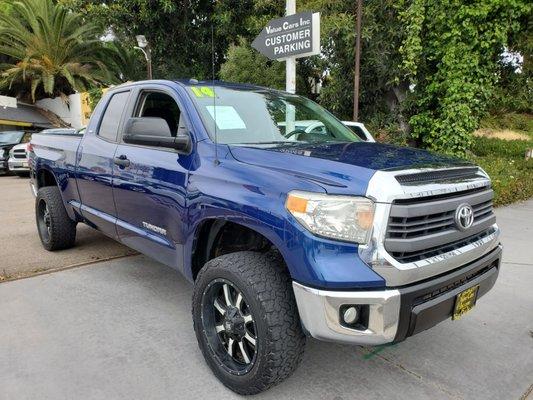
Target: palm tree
{"points": [[53, 51]]}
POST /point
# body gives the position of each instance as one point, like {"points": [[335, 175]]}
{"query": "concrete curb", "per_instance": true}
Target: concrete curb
{"points": [[32, 274]]}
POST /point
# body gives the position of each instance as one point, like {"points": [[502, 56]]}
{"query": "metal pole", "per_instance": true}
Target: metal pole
{"points": [[290, 63], [290, 78], [357, 60], [149, 61]]}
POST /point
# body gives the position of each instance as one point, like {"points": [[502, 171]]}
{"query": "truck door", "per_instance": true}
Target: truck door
{"points": [[95, 164], [150, 186]]}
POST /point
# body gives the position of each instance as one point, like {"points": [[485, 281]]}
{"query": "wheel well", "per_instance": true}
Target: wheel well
{"points": [[218, 237], [45, 178]]}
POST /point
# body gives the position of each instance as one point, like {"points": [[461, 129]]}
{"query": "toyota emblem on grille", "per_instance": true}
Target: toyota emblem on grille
{"points": [[464, 217]]}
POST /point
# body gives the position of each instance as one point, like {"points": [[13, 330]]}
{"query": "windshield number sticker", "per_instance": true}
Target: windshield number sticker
{"points": [[201, 91]]}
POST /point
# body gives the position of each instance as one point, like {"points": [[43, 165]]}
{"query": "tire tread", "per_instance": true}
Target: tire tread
{"points": [[266, 275], [63, 232]]}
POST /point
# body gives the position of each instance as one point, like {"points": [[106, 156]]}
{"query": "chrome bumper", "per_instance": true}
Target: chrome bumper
{"points": [[16, 165], [319, 313], [393, 314]]}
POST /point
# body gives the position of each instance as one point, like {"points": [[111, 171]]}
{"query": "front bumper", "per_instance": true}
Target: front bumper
{"points": [[18, 165], [396, 313]]}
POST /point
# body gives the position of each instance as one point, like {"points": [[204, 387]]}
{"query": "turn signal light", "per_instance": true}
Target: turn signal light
{"points": [[296, 204]]}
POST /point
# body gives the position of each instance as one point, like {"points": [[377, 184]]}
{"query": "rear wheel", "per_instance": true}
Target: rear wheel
{"points": [[56, 230], [246, 321]]}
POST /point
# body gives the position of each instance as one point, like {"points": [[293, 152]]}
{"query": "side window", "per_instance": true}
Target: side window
{"points": [[160, 105], [320, 130], [112, 115]]}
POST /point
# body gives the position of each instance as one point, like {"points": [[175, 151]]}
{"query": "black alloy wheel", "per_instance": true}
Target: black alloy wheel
{"points": [[229, 326]]}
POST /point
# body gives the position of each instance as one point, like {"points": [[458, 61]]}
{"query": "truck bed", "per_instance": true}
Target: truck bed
{"points": [[56, 153], [56, 149]]}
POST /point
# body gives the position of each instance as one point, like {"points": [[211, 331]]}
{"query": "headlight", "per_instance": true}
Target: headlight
{"points": [[336, 217]]}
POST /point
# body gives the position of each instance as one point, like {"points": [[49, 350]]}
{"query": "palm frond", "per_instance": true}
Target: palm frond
{"points": [[34, 84], [53, 47]]}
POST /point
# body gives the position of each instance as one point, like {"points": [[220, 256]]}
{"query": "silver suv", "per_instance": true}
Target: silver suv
{"points": [[18, 160]]}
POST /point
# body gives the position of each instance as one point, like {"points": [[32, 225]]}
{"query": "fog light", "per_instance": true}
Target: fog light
{"points": [[350, 315]]}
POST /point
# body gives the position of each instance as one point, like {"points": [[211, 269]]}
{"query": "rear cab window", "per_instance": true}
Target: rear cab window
{"points": [[112, 116]]}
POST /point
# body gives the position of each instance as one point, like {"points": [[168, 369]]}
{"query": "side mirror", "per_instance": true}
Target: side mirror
{"points": [[154, 132]]}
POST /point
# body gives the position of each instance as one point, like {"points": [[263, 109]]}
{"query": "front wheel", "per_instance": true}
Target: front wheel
{"points": [[246, 321]]}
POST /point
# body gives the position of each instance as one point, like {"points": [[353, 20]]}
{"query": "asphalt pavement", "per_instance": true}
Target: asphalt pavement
{"points": [[122, 329]]}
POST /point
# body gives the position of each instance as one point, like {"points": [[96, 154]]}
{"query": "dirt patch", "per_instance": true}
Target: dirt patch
{"points": [[21, 250], [504, 134]]}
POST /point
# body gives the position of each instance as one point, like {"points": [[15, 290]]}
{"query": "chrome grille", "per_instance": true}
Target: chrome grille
{"points": [[425, 227], [19, 153]]}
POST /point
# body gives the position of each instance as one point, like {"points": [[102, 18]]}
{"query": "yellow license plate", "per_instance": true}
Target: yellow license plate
{"points": [[465, 301]]}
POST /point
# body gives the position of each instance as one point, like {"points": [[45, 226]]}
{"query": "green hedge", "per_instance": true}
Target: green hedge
{"points": [[503, 160], [500, 148], [520, 122]]}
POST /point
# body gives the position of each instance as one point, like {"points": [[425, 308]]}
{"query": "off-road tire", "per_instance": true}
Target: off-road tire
{"points": [[266, 285], [62, 229]]}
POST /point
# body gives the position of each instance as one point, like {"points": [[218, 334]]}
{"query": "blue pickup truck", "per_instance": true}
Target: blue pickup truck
{"points": [[284, 232]]}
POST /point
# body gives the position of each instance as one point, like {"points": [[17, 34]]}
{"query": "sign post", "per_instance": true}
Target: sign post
{"points": [[357, 60], [290, 76], [290, 64]]}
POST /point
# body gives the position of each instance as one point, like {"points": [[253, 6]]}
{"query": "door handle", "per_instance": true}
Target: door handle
{"points": [[122, 161]]}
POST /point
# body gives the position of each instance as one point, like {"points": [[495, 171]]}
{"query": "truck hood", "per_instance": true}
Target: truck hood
{"points": [[341, 165], [19, 146], [7, 145]]}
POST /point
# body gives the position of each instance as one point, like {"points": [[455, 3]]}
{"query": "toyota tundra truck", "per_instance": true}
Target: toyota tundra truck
{"points": [[285, 233]]}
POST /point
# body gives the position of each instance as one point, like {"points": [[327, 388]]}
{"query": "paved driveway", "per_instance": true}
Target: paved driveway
{"points": [[22, 253], [122, 330]]}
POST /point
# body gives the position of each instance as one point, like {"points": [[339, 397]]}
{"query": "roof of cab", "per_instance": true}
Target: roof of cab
{"points": [[194, 82], [217, 83]]}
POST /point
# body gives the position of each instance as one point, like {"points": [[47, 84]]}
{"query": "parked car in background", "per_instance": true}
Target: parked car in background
{"points": [[316, 127], [9, 139], [360, 130], [18, 160]]}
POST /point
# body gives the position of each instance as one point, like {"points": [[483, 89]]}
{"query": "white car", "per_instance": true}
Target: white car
{"points": [[360, 130], [18, 160], [317, 127]]}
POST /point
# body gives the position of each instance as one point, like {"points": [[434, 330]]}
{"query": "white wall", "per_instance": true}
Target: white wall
{"points": [[71, 113], [6, 101]]}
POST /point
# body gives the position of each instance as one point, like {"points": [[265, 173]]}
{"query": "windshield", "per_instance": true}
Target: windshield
{"points": [[264, 117], [12, 137]]}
